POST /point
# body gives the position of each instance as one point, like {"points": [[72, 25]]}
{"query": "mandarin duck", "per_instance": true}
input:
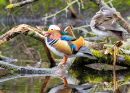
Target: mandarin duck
{"points": [[64, 45], [104, 25]]}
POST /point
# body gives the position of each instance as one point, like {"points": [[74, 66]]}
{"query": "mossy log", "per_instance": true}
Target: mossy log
{"points": [[97, 76], [122, 60]]}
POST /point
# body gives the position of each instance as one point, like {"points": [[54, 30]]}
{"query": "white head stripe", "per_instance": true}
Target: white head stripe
{"points": [[54, 27]]}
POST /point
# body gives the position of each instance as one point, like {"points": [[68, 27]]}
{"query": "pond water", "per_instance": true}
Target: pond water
{"points": [[50, 80]]}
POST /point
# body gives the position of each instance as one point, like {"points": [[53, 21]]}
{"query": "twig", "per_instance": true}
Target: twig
{"points": [[20, 3], [65, 9], [81, 28], [116, 50]]}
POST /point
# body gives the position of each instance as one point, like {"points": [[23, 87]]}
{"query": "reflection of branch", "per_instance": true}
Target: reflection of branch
{"points": [[65, 9], [116, 51], [26, 70], [98, 76], [10, 76], [45, 83]]}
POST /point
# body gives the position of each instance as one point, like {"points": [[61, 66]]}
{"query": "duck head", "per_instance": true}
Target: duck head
{"points": [[104, 12], [53, 28]]}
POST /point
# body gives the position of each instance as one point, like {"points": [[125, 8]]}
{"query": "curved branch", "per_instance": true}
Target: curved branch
{"points": [[22, 29], [29, 31]]}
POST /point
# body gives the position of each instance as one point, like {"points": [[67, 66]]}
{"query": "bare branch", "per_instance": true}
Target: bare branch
{"points": [[20, 4], [30, 31], [22, 29], [65, 9]]}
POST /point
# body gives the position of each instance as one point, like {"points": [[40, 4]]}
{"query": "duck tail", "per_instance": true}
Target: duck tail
{"points": [[87, 53]]}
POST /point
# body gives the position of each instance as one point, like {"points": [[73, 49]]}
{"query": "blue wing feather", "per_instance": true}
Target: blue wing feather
{"points": [[73, 47], [67, 38]]}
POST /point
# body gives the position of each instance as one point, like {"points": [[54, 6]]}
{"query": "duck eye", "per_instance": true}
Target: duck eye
{"points": [[51, 29]]}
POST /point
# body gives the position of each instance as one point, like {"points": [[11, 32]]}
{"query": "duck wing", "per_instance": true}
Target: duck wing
{"points": [[111, 25], [74, 43]]}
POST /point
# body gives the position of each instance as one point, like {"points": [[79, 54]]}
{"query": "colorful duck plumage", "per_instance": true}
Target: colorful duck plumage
{"points": [[64, 45]]}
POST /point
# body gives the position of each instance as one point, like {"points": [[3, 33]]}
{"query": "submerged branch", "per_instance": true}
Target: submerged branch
{"points": [[7, 59]]}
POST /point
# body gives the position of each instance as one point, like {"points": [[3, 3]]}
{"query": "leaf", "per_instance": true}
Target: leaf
{"points": [[9, 6]]}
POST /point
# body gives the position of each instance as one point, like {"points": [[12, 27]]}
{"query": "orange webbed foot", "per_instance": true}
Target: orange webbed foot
{"points": [[64, 61]]}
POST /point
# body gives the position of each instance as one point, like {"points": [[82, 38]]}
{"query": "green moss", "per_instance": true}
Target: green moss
{"points": [[111, 50], [97, 53], [31, 33], [75, 73], [127, 78], [93, 79], [127, 59], [89, 75], [109, 58]]}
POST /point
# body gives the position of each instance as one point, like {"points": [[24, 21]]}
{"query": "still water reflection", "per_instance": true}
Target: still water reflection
{"points": [[18, 79]]}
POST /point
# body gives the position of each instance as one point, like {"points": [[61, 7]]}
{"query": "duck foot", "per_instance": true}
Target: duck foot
{"points": [[64, 61]]}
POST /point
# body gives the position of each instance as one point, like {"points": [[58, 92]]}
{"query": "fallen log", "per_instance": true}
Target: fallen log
{"points": [[122, 60]]}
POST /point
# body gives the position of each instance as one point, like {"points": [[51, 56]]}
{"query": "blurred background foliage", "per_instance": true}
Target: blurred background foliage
{"points": [[41, 7]]}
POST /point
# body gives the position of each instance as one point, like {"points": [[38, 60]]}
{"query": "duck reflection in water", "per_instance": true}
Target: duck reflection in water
{"points": [[70, 82], [70, 88]]}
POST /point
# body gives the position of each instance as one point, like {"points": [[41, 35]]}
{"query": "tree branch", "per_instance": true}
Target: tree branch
{"points": [[30, 31], [65, 9], [20, 4]]}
